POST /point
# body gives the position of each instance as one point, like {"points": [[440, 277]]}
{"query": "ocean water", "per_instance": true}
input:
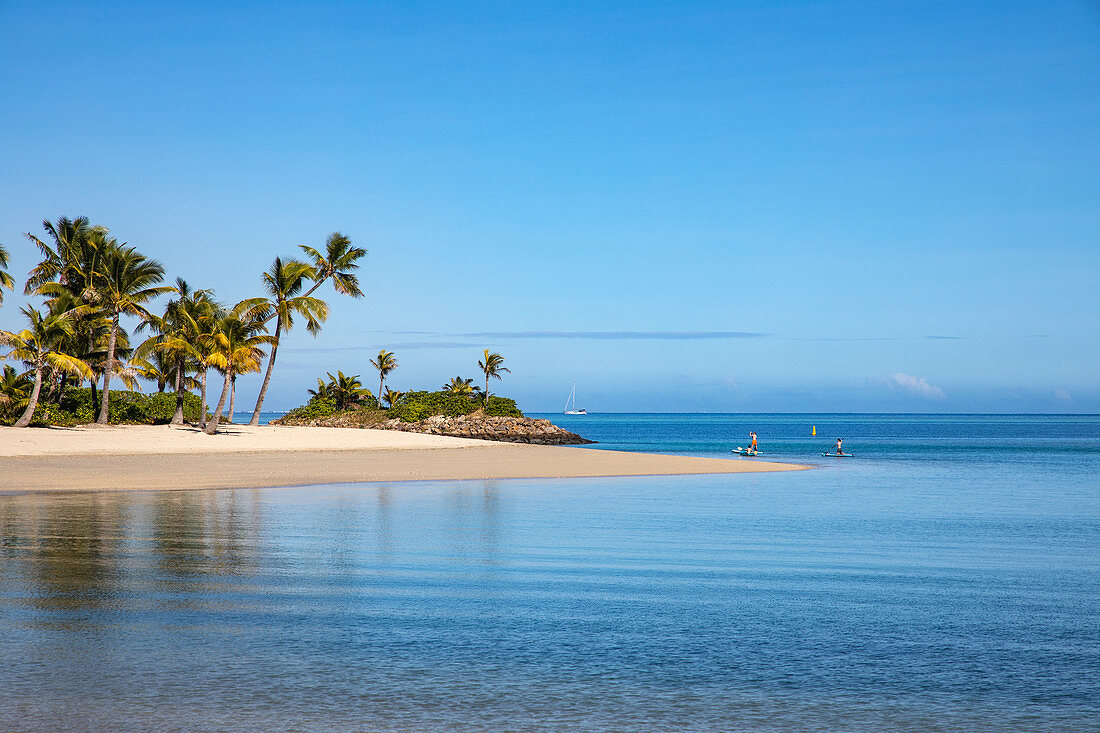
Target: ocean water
{"points": [[946, 578]]}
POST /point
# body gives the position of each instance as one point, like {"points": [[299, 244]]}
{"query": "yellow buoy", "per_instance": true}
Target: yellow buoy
{"points": [[814, 430]]}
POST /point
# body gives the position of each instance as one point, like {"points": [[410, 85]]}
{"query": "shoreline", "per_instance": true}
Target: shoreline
{"points": [[142, 458]]}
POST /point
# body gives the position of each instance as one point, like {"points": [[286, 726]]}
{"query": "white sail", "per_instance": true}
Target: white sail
{"points": [[571, 403]]}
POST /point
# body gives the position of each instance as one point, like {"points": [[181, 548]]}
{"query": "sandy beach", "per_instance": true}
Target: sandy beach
{"points": [[126, 458]]}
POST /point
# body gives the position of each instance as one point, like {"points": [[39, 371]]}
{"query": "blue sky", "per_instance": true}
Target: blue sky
{"points": [[865, 206]]}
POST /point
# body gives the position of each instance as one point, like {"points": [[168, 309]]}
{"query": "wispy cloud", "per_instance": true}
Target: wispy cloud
{"points": [[616, 335], [947, 338], [387, 345], [915, 385], [1063, 395]]}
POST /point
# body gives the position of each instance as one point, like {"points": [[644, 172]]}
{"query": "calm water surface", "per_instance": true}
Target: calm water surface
{"points": [[947, 578]]}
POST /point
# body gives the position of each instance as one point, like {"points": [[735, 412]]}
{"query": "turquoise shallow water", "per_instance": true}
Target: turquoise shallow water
{"points": [[948, 578]]}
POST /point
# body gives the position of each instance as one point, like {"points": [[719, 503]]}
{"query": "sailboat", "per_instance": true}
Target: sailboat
{"points": [[571, 403]]}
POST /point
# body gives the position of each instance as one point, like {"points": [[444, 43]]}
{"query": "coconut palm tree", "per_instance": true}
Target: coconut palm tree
{"points": [[38, 345], [283, 282], [76, 253], [88, 340], [176, 338], [392, 396], [186, 332], [345, 391], [126, 281], [15, 389], [5, 278], [72, 253], [161, 368], [238, 340], [249, 362], [323, 391], [459, 387], [338, 264], [493, 366], [385, 363]]}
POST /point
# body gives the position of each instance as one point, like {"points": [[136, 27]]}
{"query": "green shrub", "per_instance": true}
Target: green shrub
{"points": [[125, 407], [502, 407], [414, 406], [316, 407]]}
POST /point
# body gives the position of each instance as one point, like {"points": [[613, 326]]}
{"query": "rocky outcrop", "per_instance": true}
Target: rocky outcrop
{"points": [[476, 425], [484, 427]]}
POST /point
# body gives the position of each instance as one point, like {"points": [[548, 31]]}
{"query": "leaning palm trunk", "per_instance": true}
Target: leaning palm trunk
{"points": [[267, 377], [32, 403], [106, 396], [212, 424], [202, 408]]}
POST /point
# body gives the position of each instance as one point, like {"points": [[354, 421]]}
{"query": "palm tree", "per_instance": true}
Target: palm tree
{"points": [[156, 368], [323, 391], [88, 340], [392, 396], [75, 254], [38, 345], [248, 362], [385, 363], [344, 390], [459, 387], [238, 339], [5, 278], [15, 388], [283, 282], [493, 366], [128, 280], [72, 254], [337, 263], [176, 336]]}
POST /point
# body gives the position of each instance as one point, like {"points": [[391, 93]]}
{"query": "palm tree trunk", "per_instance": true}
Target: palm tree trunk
{"points": [[32, 403], [106, 396], [177, 418], [202, 408], [233, 398], [267, 377], [95, 394], [52, 391], [212, 424], [380, 381]]}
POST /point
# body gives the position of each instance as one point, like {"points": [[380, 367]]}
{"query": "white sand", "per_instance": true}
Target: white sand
{"points": [[162, 439]]}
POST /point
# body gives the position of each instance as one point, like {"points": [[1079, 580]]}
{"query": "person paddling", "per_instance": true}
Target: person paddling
{"points": [[839, 447], [752, 434]]}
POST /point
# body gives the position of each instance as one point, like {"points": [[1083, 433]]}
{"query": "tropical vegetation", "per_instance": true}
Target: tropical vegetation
{"points": [[93, 288], [97, 325], [459, 396]]}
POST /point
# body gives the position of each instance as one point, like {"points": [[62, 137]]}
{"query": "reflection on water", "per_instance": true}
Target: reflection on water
{"points": [[854, 599]]}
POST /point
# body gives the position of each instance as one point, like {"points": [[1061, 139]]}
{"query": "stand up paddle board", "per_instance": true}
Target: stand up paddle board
{"points": [[838, 455], [745, 451]]}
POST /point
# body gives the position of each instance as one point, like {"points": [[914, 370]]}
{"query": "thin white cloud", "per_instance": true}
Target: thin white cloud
{"points": [[915, 385], [1063, 395]]}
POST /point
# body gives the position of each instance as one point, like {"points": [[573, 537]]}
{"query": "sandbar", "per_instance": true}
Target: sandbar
{"points": [[164, 457]]}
